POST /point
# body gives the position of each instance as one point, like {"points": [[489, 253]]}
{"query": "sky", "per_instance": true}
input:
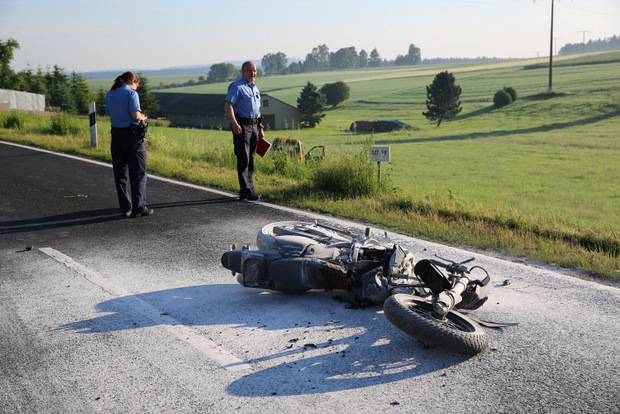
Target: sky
{"points": [[102, 35]]}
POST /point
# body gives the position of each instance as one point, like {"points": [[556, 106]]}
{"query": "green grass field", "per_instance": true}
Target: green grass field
{"points": [[536, 179]]}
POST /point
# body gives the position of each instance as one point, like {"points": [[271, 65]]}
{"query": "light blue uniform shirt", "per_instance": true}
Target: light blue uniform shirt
{"points": [[120, 103], [245, 98]]}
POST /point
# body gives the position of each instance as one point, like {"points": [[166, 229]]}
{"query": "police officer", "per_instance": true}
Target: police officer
{"points": [[243, 111], [128, 149]]}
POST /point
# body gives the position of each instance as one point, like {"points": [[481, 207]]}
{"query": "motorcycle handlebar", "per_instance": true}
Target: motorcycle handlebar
{"points": [[452, 266]]}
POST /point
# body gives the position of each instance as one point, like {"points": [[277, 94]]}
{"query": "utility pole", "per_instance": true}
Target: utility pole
{"points": [[584, 38], [551, 52]]}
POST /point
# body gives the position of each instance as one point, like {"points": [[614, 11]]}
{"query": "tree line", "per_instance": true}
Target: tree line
{"points": [[63, 92], [319, 59], [591, 46]]}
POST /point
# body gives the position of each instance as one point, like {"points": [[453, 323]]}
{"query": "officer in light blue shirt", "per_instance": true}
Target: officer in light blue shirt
{"points": [[121, 105], [127, 147], [243, 111]]}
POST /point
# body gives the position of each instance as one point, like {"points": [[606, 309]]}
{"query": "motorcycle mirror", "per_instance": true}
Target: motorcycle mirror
{"points": [[367, 233]]}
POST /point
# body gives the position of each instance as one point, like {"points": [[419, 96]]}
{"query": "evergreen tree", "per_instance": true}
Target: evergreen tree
{"points": [[24, 80], [81, 93], [148, 100], [59, 92], [100, 102], [443, 98], [374, 60], [38, 83], [311, 104], [335, 93]]}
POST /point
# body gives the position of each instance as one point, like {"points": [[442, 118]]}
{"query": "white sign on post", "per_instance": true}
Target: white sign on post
{"points": [[380, 153]]}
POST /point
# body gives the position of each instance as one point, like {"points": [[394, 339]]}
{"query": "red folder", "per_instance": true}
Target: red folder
{"points": [[262, 147]]}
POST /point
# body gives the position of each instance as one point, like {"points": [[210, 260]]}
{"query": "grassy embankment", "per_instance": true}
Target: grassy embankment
{"points": [[537, 179]]}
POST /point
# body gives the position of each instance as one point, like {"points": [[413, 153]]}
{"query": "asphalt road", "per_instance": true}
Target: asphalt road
{"points": [[103, 314]]}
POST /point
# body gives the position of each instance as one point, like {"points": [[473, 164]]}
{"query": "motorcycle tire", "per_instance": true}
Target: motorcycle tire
{"points": [[456, 333]]}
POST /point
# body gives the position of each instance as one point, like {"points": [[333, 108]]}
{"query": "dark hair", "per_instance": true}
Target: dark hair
{"points": [[126, 77]]}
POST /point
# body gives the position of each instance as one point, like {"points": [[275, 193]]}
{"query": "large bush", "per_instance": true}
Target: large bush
{"points": [[13, 121], [64, 124], [513, 94], [502, 98]]}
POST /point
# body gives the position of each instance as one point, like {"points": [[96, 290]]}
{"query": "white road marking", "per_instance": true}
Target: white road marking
{"points": [[184, 333]]}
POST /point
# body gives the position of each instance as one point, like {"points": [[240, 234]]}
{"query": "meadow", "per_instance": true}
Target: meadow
{"points": [[536, 180]]}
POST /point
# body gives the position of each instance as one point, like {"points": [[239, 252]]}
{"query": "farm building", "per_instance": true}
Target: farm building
{"points": [[207, 111]]}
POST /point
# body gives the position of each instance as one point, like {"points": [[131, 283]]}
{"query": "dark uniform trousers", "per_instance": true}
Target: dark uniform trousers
{"points": [[245, 150], [129, 165]]}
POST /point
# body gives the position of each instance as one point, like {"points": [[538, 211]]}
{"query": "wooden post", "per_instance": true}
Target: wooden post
{"points": [[93, 125]]}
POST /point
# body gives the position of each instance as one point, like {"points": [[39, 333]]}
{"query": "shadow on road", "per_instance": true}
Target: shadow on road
{"points": [[94, 216], [311, 343]]}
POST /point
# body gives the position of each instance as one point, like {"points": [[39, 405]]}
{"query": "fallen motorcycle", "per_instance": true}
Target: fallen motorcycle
{"points": [[418, 298]]}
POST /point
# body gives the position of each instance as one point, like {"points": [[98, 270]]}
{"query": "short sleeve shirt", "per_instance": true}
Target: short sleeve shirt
{"points": [[120, 103], [245, 98]]}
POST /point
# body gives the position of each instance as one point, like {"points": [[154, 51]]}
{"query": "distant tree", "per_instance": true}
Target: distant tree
{"points": [[311, 104], [363, 60], [59, 91], [412, 58], [274, 64], [148, 100], [81, 93], [38, 84], [345, 58], [317, 60], [23, 80], [7, 76], [295, 67], [592, 46], [222, 72], [100, 102], [374, 60], [443, 98], [335, 93]]}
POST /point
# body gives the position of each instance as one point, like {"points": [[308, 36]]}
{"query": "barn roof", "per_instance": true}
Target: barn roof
{"points": [[191, 103]]}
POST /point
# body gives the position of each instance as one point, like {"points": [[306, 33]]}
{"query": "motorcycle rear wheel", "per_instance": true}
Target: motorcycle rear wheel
{"points": [[456, 333]]}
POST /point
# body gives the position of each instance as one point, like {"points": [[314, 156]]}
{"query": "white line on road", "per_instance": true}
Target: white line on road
{"points": [[184, 333]]}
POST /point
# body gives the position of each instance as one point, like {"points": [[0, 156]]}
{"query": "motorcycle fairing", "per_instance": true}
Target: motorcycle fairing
{"points": [[430, 274]]}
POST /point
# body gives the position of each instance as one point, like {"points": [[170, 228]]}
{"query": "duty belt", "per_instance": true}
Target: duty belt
{"points": [[249, 121]]}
